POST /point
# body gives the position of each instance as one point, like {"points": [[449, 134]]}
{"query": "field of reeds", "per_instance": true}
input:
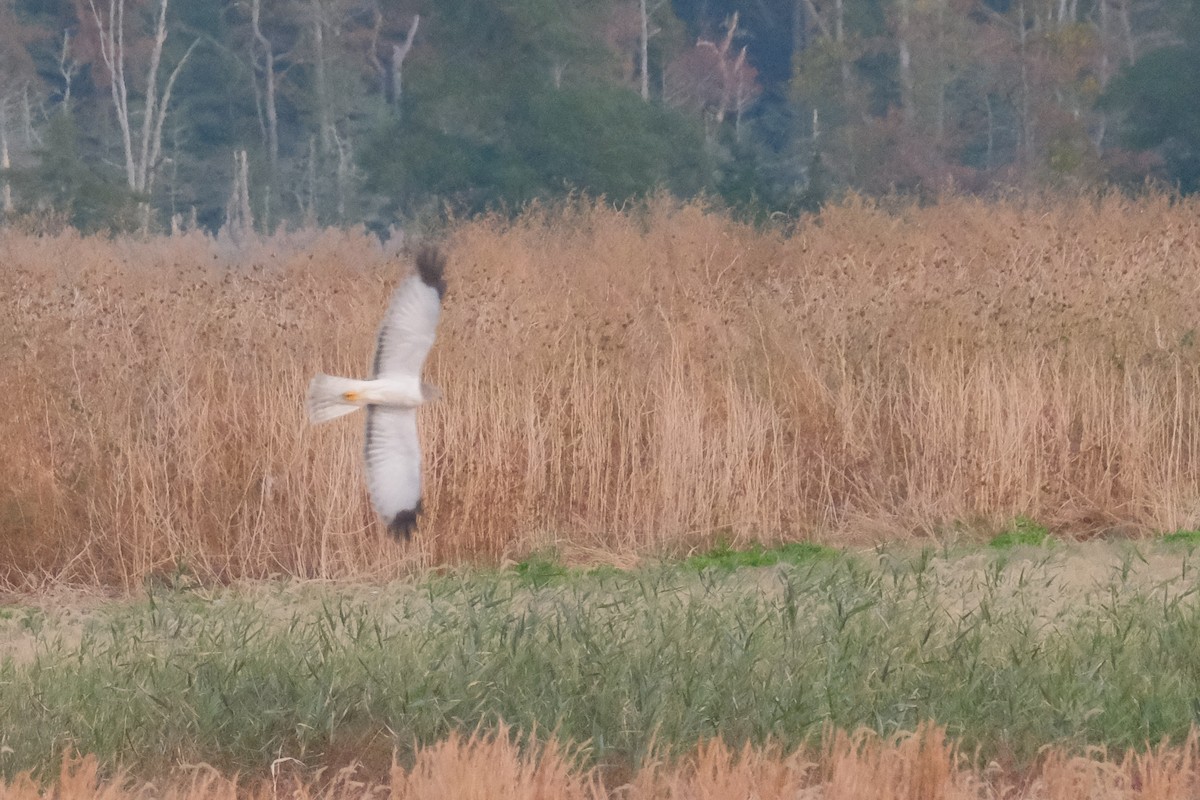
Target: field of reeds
{"points": [[922, 765], [490, 765], [645, 380]]}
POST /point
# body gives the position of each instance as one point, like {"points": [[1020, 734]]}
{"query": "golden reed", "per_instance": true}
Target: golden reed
{"points": [[616, 381], [920, 765]]}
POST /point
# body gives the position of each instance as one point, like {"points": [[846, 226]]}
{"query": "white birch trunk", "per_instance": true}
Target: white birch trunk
{"points": [[839, 34], [1026, 122], [239, 221], [112, 52], [160, 37], [5, 162], [269, 79], [140, 165], [67, 67], [399, 53], [325, 123], [1127, 30], [644, 47], [907, 86]]}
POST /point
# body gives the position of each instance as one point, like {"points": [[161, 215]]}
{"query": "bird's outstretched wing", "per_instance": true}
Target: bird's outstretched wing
{"points": [[394, 467], [410, 323], [393, 449]]}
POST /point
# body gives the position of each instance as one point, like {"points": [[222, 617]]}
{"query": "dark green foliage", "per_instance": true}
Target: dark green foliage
{"points": [[1182, 537], [499, 129], [1022, 532], [600, 140], [1156, 97], [539, 570], [89, 196], [725, 557], [608, 141]]}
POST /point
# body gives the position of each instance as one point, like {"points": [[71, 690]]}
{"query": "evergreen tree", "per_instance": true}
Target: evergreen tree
{"points": [[1158, 98], [63, 182]]}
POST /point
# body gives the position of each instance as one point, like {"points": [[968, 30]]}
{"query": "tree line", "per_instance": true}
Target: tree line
{"points": [[249, 115]]}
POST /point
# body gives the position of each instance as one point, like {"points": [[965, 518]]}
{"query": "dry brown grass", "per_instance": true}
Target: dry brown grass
{"points": [[924, 765], [615, 381]]}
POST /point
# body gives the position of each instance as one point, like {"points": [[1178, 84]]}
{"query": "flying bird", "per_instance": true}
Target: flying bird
{"points": [[391, 397]]}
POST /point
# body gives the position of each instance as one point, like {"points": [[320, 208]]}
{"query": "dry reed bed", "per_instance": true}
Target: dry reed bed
{"points": [[646, 379], [924, 765]]}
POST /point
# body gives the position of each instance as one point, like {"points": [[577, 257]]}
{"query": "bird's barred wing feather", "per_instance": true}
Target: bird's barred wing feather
{"points": [[409, 326], [393, 454]]}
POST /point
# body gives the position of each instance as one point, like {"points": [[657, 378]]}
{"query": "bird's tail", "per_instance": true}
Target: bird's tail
{"points": [[329, 397]]}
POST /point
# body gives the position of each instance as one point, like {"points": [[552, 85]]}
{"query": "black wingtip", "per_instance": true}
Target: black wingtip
{"points": [[431, 266], [402, 525]]}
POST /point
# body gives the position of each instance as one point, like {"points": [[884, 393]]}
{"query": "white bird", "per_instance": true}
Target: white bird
{"points": [[391, 397]]}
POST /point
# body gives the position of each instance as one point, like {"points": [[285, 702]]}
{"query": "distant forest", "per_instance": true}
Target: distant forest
{"points": [[249, 115]]}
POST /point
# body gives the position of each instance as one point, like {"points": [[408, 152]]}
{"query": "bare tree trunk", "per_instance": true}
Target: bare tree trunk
{"points": [[1127, 29], [799, 28], [1026, 122], [741, 96], [28, 134], [67, 67], [244, 195], [310, 213], [991, 131], [373, 52], [140, 166], [815, 16], [238, 218], [1098, 136], [148, 114], [839, 36], [323, 110], [231, 204], [644, 43], [1104, 71], [173, 178], [112, 51], [269, 78], [942, 74], [345, 166], [161, 117], [399, 53], [1104, 67], [907, 87], [5, 162]]}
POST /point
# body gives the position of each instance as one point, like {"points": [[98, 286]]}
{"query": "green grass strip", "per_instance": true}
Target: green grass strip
{"points": [[1011, 653]]}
